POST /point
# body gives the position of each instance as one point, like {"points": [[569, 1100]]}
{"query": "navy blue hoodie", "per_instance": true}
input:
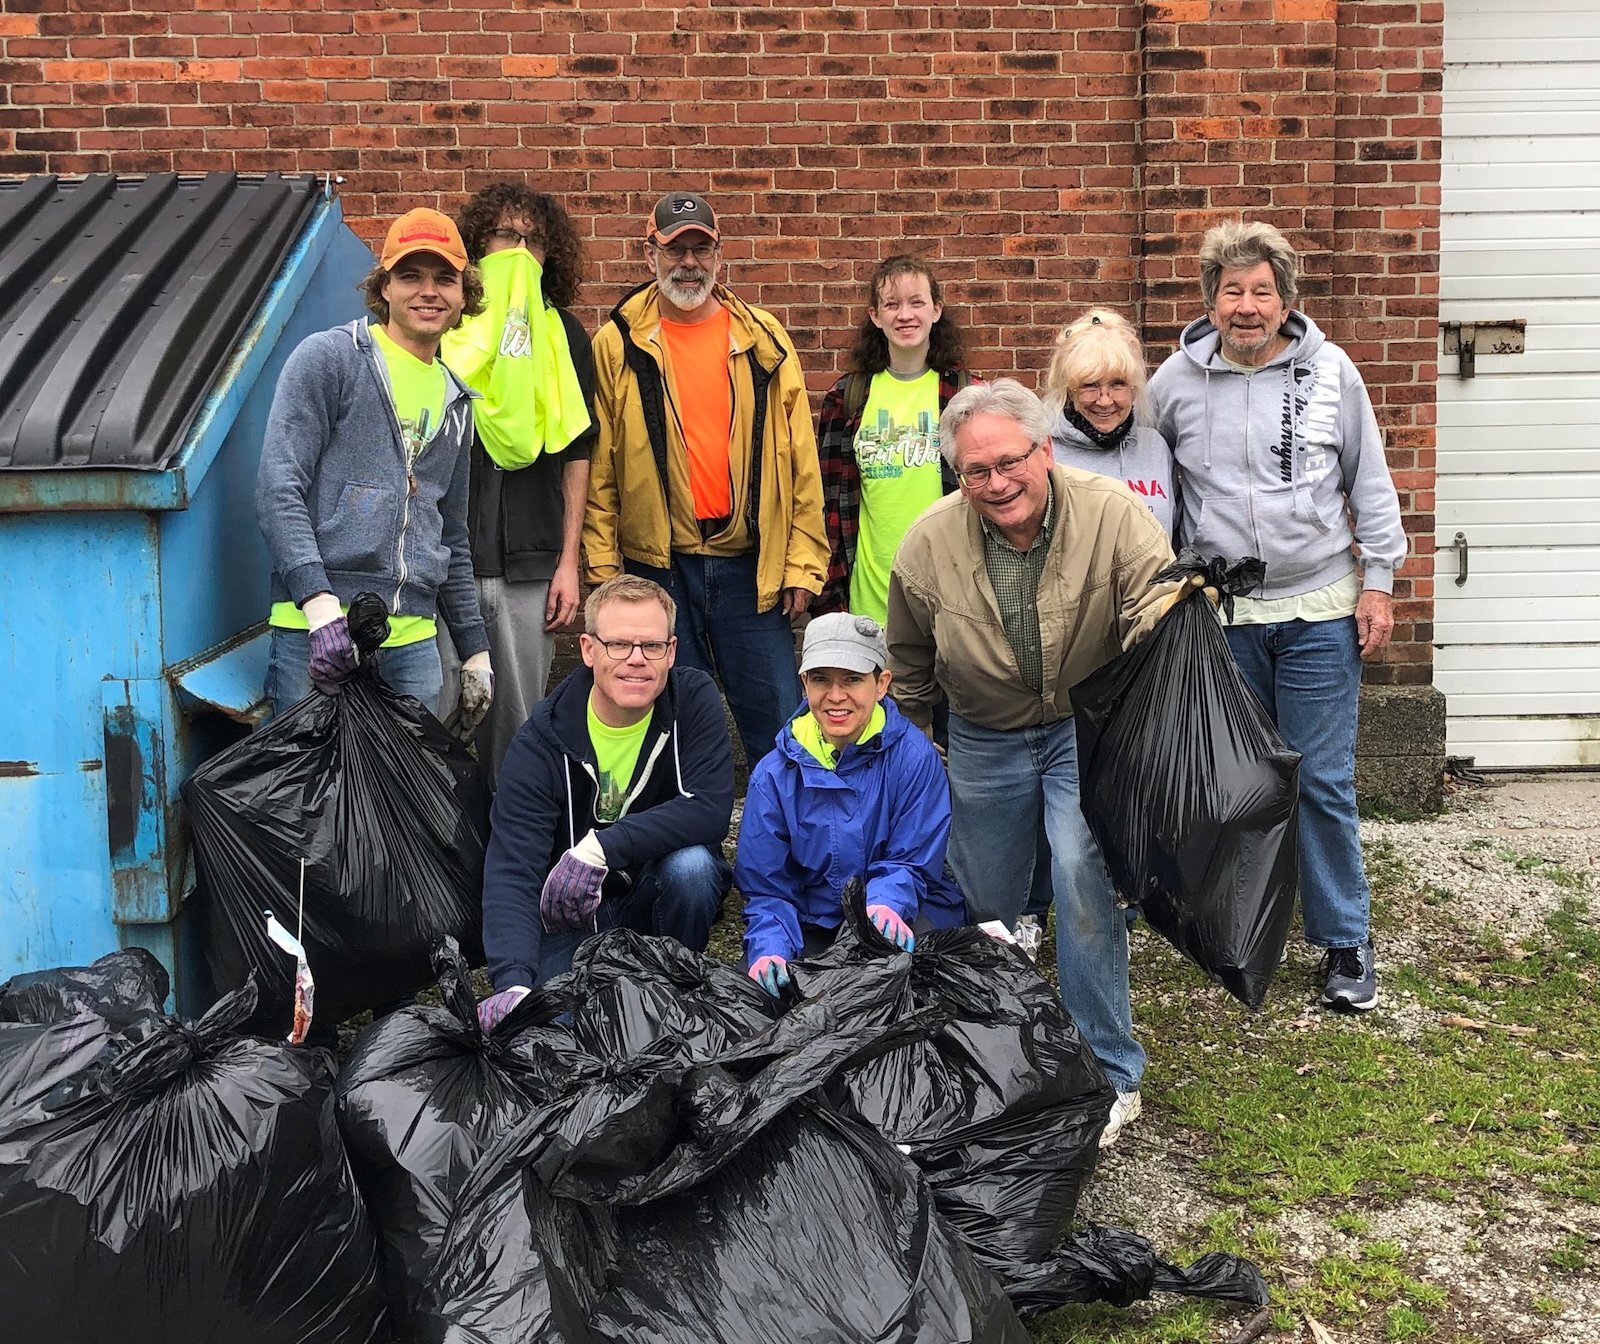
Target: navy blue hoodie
{"points": [[681, 794]]}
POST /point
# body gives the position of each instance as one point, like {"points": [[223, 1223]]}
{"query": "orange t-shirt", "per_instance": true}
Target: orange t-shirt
{"points": [[697, 355]]}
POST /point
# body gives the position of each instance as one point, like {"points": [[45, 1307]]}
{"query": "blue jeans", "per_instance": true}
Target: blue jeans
{"points": [[720, 631], [1000, 784], [411, 669], [676, 896], [1307, 675]]}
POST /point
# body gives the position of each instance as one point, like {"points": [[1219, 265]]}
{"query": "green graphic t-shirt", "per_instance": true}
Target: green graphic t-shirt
{"points": [[418, 392], [616, 752], [417, 389], [897, 450]]}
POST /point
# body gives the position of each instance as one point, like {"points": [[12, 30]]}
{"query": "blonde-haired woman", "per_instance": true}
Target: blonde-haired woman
{"points": [[1095, 391]]}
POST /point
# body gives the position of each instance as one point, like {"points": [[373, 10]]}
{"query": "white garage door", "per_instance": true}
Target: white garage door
{"points": [[1518, 644]]}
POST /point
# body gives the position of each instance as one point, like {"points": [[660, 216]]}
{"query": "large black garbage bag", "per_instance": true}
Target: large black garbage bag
{"points": [[186, 1183], [1001, 1104], [1190, 791], [818, 1231], [421, 1097], [391, 814], [679, 1191], [121, 986]]}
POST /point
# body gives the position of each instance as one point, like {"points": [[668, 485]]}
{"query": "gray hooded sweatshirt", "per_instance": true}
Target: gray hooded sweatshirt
{"points": [[1270, 460], [339, 510], [1142, 459]]}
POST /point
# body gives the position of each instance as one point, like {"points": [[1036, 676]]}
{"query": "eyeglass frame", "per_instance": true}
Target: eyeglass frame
{"points": [[678, 252], [524, 239], [640, 644], [1010, 468]]}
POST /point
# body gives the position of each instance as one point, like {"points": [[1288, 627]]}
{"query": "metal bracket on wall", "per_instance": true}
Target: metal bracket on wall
{"points": [[1467, 340]]}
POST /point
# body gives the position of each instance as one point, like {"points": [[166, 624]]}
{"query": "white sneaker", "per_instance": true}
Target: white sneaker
{"points": [[1126, 1109]]}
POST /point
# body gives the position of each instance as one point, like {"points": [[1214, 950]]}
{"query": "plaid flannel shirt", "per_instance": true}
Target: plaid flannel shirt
{"points": [[837, 424]]}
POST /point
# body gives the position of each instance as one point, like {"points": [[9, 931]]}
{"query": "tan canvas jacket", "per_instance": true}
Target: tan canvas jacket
{"points": [[1095, 600]]}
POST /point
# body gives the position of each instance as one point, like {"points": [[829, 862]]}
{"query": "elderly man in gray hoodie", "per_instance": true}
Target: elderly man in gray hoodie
{"points": [[1281, 458]]}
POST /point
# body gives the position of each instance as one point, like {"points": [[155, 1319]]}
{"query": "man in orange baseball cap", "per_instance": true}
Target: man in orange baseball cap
{"points": [[364, 473]]}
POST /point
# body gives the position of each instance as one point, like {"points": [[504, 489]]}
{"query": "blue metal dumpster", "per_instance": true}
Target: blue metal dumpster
{"points": [[143, 323]]}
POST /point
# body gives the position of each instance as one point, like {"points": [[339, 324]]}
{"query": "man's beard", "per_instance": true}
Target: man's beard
{"points": [[687, 289]]}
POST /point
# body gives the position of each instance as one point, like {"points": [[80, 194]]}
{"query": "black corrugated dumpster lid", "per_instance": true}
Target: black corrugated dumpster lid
{"points": [[120, 300]]}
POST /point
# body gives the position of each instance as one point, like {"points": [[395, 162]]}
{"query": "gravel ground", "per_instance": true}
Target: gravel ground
{"points": [[1493, 852]]}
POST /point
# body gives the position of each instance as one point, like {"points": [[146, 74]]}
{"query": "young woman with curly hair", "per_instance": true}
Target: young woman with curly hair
{"points": [[528, 358], [878, 432]]}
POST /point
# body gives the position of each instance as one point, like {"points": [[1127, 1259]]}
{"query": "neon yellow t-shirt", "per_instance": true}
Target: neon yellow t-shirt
{"points": [[418, 392], [808, 733], [897, 451], [616, 752]]}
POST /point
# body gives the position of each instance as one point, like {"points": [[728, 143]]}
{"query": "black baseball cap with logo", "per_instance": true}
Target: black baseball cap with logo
{"points": [[678, 212]]}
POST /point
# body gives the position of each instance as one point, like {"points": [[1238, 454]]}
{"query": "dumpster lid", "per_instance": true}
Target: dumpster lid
{"points": [[121, 299]]}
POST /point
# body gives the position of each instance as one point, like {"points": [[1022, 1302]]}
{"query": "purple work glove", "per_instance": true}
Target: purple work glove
{"points": [[333, 656], [571, 895], [492, 1011], [771, 973], [892, 927]]}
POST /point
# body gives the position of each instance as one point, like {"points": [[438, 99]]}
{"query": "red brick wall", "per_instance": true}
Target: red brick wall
{"points": [[1047, 156]]}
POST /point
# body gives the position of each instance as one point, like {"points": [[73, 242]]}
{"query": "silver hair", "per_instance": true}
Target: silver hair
{"points": [[1005, 397], [1235, 245]]}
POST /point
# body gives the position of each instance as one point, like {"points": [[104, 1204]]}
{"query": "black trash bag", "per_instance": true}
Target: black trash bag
{"points": [[1000, 1103], [1111, 1264], [121, 987], [819, 1231], [421, 1097], [186, 1183], [677, 1194], [392, 816], [1189, 790]]}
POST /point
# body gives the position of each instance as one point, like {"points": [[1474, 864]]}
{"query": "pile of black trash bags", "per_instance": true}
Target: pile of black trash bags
{"points": [[647, 1148]]}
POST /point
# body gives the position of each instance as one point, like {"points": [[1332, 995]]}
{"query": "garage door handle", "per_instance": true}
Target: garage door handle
{"points": [[1463, 551]]}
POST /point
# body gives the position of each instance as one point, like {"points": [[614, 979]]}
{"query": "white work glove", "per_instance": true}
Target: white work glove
{"points": [[477, 691], [321, 609]]}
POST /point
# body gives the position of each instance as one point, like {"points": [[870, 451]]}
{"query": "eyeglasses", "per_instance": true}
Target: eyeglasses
{"points": [[676, 252], [622, 649], [511, 237], [975, 478]]}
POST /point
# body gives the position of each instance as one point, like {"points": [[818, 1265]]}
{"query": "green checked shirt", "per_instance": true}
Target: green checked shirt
{"points": [[1014, 576]]}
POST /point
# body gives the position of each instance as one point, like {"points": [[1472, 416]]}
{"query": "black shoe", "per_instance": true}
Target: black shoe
{"points": [[1350, 978]]}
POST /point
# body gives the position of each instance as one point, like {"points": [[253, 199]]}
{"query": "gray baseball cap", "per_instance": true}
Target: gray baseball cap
{"points": [[678, 212], [855, 643]]}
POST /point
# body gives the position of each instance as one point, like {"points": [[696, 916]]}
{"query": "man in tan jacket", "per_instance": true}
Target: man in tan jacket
{"points": [[1003, 597], [705, 475]]}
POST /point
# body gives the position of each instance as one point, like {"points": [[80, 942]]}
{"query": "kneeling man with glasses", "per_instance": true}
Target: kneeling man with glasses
{"points": [[614, 801]]}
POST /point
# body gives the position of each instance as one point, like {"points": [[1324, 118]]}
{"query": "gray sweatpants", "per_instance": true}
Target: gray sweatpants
{"points": [[520, 651]]}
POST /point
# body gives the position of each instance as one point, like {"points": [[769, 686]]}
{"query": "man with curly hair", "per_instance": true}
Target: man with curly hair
{"points": [[705, 474], [528, 359], [363, 482]]}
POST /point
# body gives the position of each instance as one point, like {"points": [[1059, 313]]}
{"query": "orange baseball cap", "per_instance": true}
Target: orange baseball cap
{"points": [[424, 230]]}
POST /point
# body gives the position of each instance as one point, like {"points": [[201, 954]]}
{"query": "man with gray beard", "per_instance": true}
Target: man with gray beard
{"points": [[705, 478]]}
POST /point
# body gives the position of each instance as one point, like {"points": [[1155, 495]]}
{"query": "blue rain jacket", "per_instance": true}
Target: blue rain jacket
{"points": [[883, 815]]}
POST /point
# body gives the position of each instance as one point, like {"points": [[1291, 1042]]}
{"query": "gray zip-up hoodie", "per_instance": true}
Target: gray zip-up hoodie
{"points": [[1271, 459], [1142, 459], [336, 503]]}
